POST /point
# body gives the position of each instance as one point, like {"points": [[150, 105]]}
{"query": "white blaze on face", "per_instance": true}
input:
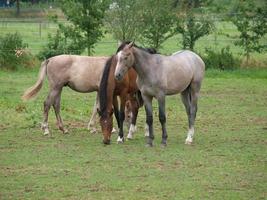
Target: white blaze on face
{"points": [[118, 66]]}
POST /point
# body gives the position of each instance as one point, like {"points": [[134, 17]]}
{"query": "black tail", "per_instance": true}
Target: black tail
{"points": [[103, 87]]}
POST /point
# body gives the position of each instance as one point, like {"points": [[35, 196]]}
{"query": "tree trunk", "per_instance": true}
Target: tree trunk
{"points": [[18, 7], [89, 50], [247, 58]]}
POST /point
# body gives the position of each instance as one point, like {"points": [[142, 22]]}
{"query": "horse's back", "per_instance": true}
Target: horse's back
{"points": [[191, 60], [81, 73], [180, 70]]}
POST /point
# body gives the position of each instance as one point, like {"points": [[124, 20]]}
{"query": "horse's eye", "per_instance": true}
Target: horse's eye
{"points": [[125, 58]]}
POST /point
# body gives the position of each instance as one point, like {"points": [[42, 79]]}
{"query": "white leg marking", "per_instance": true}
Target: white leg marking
{"points": [[45, 128], [119, 140], [190, 135], [113, 130], [146, 130], [93, 130], [93, 117], [131, 131]]}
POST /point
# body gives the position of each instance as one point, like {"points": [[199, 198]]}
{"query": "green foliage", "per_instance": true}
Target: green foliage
{"points": [[251, 22], [158, 20], [191, 23], [85, 20], [223, 60], [122, 21], [13, 53], [192, 28], [61, 43]]}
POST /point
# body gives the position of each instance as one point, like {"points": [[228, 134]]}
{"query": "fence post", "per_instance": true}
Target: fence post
{"points": [[40, 29]]}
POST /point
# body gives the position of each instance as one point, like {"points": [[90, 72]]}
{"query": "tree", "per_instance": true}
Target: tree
{"points": [[122, 20], [191, 22], [251, 22], [17, 8], [192, 29], [86, 18], [157, 18], [59, 44]]}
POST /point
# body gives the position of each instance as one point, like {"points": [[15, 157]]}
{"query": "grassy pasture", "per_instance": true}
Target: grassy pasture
{"points": [[226, 161]]}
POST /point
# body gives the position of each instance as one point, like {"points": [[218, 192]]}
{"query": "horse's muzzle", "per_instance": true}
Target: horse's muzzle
{"points": [[107, 142], [118, 77]]}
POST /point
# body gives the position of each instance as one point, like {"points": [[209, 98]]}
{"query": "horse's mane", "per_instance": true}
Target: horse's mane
{"points": [[103, 87], [104, 80], [149, 50]]}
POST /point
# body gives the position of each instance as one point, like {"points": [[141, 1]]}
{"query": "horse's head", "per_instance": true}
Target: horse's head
{"points": [[106, 122], [125, 59]]}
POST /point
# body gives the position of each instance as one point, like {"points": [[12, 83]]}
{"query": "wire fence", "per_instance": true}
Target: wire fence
{"points": [[35, 33]]}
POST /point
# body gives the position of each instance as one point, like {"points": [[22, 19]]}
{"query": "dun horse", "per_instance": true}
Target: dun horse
{"points": [[110, 89], [160, 75], [80, 73]]}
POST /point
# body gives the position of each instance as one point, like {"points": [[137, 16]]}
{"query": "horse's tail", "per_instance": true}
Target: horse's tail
{"points": [[103, 100], [32, 91]]}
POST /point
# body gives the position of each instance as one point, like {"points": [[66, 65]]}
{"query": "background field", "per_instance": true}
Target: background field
{"points": [[35, 31], [227, 160]]}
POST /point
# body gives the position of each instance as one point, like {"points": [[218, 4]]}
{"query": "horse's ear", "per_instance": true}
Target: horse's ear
{"points": [[131, 45], [119, 43]]}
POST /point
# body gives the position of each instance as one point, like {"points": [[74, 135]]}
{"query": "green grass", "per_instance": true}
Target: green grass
{"points": [[227, 160]]}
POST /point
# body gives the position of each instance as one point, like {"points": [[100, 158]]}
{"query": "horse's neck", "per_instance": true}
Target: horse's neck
{"points": [[141, 64]]}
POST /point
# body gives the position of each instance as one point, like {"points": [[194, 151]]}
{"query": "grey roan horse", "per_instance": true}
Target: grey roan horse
{"points": [[159, 75], [80, 73]]}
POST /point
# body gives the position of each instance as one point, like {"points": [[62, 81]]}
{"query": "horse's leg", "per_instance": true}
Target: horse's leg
{"points": [[91, 125], [116, 112], [134, 111], [47, 105], [122, 117], [149, 119], [162, 119], [190, 98], [56, 106]]}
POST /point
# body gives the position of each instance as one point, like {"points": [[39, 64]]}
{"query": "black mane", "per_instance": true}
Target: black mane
{"points": [[149, 50], [103, 87]]}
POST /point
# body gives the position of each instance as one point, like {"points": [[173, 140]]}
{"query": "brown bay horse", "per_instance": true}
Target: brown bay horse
{"points": [[80, 73], [127, 90]]}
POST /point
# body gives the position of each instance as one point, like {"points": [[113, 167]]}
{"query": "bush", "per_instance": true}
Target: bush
{"points": [[13, 52], [59, 44], [223, 60]]}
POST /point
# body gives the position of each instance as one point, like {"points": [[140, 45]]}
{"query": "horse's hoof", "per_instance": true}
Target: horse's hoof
{"points": [[146, 134], [149, 145], [46, 133], [129, 137], [149, 142], [120, 140], [92, 131], [113, 130], [163, 145], [188, 142]]}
